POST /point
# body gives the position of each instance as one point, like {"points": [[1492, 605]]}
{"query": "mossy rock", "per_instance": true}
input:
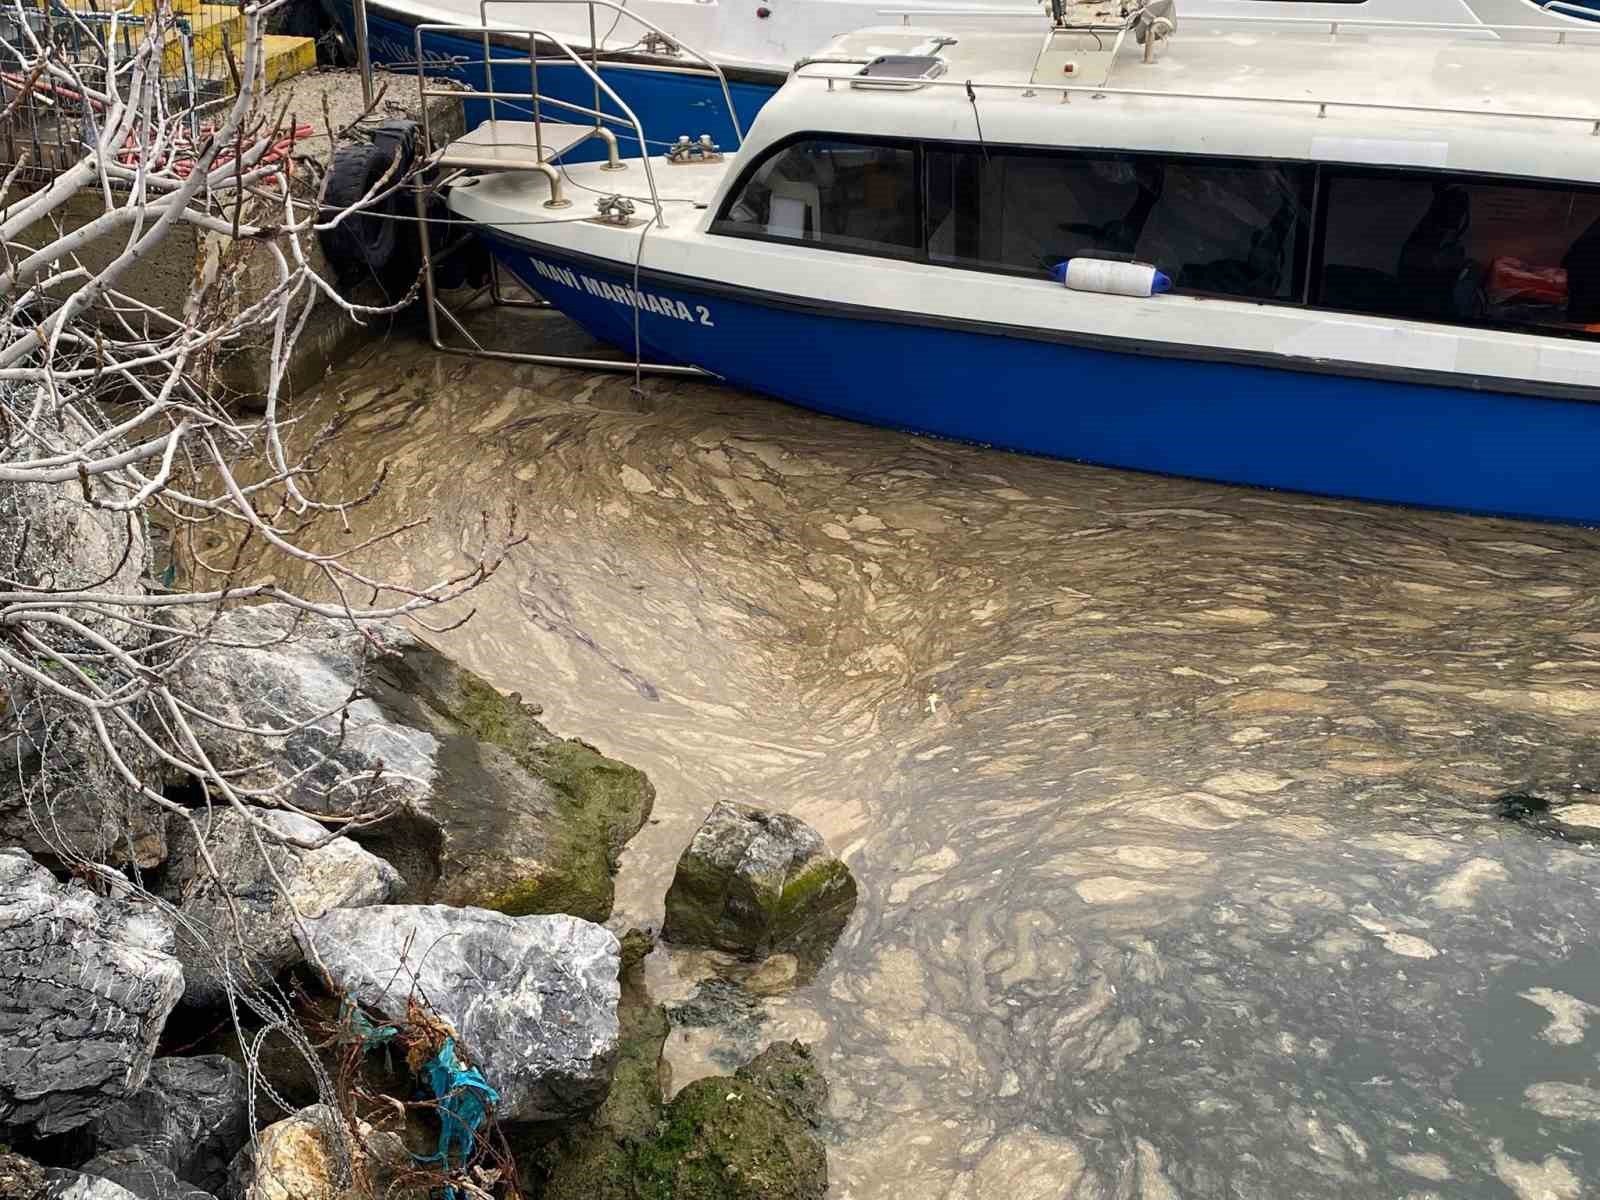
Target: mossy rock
{"points": [[527, 822], [750, 1136], [756, 883], [732, 1139], [787, 1070]]}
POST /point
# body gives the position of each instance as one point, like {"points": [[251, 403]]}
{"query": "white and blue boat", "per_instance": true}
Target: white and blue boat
{"points": [[754, 42], [1382, 246]]}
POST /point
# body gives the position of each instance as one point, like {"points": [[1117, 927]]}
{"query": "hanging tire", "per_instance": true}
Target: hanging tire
{"points": [[372, 244]]}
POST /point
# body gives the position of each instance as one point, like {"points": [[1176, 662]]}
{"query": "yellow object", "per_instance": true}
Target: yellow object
{"points": [[286, 55], [213, 27]]}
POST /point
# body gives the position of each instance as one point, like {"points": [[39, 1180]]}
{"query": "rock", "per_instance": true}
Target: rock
{"points": [[636, 947], [60, 795], [727, 1142], [310, 1156], [735, 1139], [143, 1174], [191, 1114], [532, 999], [71, 1185], [491, 809], [751, 1136], [21, 1178], [754, 882], [339, 874], [786, 1069], [86, 983], [592, 1159]]}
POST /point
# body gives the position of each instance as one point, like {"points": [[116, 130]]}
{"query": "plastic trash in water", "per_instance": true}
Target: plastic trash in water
{"points": [[1110, 277]]}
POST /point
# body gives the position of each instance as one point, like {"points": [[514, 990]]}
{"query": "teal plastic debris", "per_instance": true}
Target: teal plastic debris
{"points": [[354, 1026], [463, 1094], [465, 1098]]}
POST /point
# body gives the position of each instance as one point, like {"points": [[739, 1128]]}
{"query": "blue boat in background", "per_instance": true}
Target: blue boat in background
{"points": [[678, 101]]}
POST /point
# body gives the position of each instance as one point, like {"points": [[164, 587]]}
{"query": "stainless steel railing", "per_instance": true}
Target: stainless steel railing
{"points": [[539, 162], [634, 18], [528, 145]]}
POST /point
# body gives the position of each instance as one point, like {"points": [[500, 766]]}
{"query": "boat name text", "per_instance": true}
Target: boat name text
{"points": [[663, 306]]}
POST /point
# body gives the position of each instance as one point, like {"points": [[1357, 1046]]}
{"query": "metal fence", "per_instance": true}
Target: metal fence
{"points": [[45, 120]]}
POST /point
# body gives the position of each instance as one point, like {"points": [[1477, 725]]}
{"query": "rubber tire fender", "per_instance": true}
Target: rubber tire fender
{"points": [[372, 244]]}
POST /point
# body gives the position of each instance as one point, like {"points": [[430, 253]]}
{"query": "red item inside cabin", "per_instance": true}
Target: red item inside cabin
{"points": [[1513, 281]]}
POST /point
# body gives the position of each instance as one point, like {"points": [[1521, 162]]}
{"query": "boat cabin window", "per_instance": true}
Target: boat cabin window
{"points": [[1225, 228], [1455, 249], [848, 195], [1460, 250]]}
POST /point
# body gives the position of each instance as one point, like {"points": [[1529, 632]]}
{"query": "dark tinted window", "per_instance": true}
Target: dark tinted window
{"points": [[844, 194], [1235, 229], [1453, 250]]}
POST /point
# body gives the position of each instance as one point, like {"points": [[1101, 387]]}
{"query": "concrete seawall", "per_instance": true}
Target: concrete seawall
{"points": [[330, 102]]}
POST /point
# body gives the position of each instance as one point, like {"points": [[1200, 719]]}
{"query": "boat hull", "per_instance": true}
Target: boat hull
{"points": [[1314, 430], [667, 102]]}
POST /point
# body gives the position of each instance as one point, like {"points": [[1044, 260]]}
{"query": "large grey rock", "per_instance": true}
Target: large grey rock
{"points": [[191, 1114], [60, 795], [756, 883], [74, 1185], [533, 999], [86, 984], [336, 875], [311, 1156], [143, 1174], [490, 809]]}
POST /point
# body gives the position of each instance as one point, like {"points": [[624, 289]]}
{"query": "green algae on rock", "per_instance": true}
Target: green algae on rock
{"points": [[459, 787], [756, 883], [732, 1139], [594, 1159], [530, 823], [749, 1136]]}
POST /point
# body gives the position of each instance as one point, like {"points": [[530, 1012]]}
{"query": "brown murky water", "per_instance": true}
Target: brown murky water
{"points": [[1172, 803]]}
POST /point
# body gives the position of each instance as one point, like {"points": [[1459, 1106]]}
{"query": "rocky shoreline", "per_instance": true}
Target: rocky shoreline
{"points": [[366, 956]]}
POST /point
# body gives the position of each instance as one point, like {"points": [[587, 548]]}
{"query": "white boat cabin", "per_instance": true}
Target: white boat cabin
{"points": [[1445, 178]]}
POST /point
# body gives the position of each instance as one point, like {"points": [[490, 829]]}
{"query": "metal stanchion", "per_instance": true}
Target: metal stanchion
{"points": [[363, 55]]}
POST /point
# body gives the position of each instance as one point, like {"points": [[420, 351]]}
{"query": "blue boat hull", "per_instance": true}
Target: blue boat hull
{"points": [[1489, 452], [667, 104]]}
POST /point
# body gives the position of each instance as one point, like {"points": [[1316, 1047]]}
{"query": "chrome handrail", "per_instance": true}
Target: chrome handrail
{"points": [[623, 11], [426, 186], [1066, 91], [1333, 25], [534, 36], [1582, 11]]}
